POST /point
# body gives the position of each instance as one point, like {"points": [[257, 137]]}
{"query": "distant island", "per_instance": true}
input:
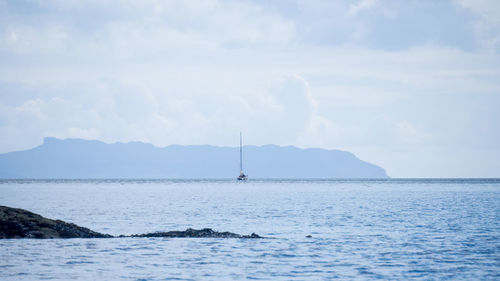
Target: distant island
{"points": [[82, 159]]}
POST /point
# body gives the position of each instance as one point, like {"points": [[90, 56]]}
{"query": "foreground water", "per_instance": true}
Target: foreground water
{"points": [[361, 229]]}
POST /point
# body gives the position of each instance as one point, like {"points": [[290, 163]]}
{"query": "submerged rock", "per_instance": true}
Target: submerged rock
{"points": [[19, 223]]}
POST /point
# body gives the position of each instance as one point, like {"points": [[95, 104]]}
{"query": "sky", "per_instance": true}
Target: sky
{"points": [[412, 86]]}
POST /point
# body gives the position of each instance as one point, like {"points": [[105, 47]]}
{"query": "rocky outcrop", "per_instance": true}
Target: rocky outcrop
{"points": [[19, 223], [194, 233]]}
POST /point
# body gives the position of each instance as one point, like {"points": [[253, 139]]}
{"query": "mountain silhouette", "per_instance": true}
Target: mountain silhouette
{"points": [[78, 158]]}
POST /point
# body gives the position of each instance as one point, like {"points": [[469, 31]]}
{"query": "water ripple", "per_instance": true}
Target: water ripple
{"points": [[387, 229]]}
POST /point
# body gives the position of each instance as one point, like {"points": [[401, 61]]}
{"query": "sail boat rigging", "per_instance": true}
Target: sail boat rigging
{"points": [[242, 176]]}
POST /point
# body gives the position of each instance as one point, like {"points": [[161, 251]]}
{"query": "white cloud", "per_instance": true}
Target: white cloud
{"points": [[360, 6], [488, 20], [408, 134]]}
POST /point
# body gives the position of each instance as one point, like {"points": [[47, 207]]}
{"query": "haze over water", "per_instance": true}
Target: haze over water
{"points": [[364, 229]]}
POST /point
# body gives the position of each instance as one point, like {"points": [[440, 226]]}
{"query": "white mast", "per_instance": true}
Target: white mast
{"points": [[242, 176], [241, 156]]}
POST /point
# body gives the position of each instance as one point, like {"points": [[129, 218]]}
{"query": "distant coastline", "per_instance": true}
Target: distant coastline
{"points": [[91, 159]]}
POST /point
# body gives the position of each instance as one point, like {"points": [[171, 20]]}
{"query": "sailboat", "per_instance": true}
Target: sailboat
{"points": [[242, 176]]}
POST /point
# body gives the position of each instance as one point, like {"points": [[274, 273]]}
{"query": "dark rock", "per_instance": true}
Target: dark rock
{"points": [[194, 233], [19, 223]]}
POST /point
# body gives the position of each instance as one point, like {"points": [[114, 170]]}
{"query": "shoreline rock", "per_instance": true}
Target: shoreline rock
{"points": [[194, 233], [20, 223]]}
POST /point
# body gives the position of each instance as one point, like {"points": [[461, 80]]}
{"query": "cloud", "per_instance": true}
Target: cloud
{"points": [[360, 6], [487, 22], [296, 105]]}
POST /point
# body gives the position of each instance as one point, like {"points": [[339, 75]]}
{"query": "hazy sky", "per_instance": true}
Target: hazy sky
{"points": [[413, 86]]}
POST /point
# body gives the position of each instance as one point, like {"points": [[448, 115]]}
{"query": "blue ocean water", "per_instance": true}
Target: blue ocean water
{"points": [[361, 229]]}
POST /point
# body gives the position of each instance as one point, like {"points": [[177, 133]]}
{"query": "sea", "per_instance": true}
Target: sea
{"points": [[391, 229]]}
